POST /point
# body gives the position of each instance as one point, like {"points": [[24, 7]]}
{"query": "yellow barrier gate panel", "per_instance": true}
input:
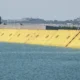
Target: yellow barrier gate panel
{"points": [[31, 38], [62, 38], [34, 38], [75, 42], [38, 37], [6, 34], [21, 36], [44, 38], [51, 34], [1, 30]]}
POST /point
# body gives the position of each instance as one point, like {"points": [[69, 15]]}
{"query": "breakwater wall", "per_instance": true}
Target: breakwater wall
{"points": [[60, 38]]}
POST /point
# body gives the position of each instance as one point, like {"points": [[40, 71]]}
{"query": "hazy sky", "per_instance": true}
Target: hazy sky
{"points": [[45, 9]]}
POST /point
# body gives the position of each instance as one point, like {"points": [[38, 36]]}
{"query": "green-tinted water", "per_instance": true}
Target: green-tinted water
{"points": [[27, 62]]}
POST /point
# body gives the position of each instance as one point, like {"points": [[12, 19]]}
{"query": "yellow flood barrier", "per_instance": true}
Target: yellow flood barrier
{"points": [[22, 35], [7, 34], [75, 43], [41, 36], [61, 38]]}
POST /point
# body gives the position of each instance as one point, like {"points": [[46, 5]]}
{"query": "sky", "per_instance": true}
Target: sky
{"points": [[44, 9]]}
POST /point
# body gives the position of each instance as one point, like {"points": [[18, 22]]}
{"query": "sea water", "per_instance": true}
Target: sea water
{"points": [[31, 62]]}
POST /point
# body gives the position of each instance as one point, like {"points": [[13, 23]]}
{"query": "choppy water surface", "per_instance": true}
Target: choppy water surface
{"points": [[27, 62]]}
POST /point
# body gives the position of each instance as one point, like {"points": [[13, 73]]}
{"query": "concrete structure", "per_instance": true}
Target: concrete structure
{"points": [[27, 26]]}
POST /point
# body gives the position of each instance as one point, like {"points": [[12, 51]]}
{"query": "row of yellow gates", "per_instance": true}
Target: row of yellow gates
{"points": [[62, 38]]}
